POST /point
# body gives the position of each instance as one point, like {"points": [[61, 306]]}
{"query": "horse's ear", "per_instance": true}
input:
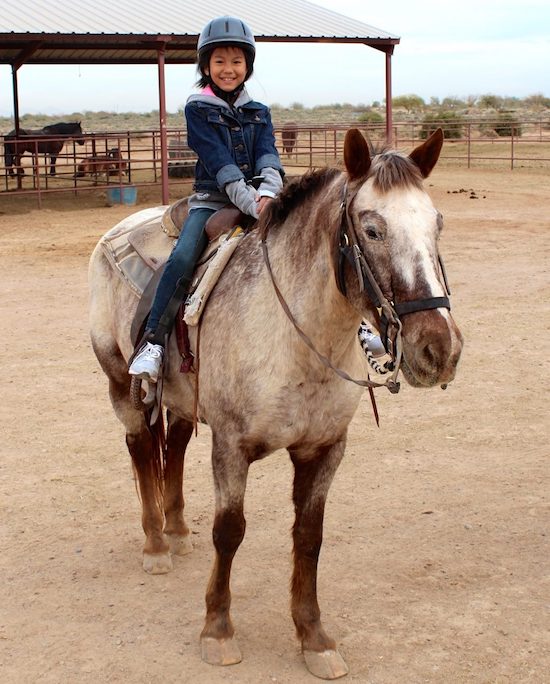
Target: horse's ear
{"points": [[425, 156], [356, 154]]}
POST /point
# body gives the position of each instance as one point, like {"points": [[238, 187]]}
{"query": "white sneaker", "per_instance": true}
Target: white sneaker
{"points": [[147, 362]]}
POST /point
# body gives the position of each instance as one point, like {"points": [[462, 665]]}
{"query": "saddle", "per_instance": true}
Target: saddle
{"points": [[138, 253], [221, 222]]}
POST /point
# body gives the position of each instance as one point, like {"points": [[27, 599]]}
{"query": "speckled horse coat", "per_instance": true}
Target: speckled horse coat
{"points": [[262, 389]]}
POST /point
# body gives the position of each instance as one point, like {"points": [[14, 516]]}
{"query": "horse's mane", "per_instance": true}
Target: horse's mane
{"points": [[389, 169], [294, 193]]}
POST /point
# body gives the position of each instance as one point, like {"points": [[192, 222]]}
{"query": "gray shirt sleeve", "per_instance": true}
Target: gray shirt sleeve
{"points": [[272, 183]]}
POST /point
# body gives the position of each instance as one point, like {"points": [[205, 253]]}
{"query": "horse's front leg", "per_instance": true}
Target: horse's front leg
{"points": [[313, 474], [53, 160], [230, 468]]}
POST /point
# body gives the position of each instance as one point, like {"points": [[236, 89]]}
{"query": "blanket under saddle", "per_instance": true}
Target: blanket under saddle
{"points": [[139, 246]]}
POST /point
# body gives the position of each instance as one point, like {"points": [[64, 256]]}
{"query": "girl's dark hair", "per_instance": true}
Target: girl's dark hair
{"points": [[204, 62]]}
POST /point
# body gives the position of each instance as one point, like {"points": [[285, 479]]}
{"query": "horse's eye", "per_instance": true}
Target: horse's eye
{"points": [[372, 233]]}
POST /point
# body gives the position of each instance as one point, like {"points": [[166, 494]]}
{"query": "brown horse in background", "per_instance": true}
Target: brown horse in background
{"points": [[261, 388], [110, 164], [288, 137], [48, 141]]}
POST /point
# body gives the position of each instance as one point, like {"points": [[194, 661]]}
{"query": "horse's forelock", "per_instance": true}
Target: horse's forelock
{"points": [[391, 169]]}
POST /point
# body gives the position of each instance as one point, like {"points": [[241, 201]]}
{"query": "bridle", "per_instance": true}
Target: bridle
{"points": [[390, 312]]}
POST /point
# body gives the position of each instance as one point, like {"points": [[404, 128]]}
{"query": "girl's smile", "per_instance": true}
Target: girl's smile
{"points": [[227, 68]]}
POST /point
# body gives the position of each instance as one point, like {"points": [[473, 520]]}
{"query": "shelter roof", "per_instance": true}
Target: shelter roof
{"points": [[130, 31]]}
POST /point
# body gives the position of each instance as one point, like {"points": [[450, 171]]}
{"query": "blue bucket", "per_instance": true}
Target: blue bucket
{"points": [[125, 195]]}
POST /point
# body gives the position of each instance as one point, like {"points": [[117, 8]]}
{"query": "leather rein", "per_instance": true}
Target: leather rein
{"points": [[389, 311]]}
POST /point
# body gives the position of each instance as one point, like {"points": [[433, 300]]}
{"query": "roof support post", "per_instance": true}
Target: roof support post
{"points": [[389, 111], [15, 99], [162, 117]]}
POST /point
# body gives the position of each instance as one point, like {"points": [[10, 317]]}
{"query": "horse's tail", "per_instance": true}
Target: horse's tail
{"points": [[158, 434], [156, 457]]}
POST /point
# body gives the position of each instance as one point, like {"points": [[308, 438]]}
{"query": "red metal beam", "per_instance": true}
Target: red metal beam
{"points": [[162, 122]]}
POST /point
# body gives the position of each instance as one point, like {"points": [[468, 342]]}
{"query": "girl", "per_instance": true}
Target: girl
{"points": [[234, 141]]}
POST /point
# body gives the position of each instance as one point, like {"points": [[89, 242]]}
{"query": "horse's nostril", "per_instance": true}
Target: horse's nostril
{"points": [[430, 353]]}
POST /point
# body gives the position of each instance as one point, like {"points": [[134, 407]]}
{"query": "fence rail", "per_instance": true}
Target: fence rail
{"points": [[133, 157]]}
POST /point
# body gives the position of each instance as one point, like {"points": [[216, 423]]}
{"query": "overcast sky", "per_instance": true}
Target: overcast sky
{"points": [[472, 47]]}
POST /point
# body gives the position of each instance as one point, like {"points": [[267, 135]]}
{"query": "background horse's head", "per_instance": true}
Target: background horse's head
{"points": [[397, 229]]}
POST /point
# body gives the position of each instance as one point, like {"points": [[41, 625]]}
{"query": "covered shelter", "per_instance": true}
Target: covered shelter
{"points": [[143, 32]]}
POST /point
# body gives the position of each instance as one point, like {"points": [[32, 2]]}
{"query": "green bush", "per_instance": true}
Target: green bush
{"points": [[451, 123], [370, 117], [507, 125]]}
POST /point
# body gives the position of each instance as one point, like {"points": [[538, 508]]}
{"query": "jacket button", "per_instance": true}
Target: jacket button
{"points": [[243, 167], [236, 128], [239, 147]]}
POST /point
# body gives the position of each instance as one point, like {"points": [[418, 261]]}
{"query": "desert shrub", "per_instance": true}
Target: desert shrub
{"points": [[370, 117], [507, 125], [451, 123]]}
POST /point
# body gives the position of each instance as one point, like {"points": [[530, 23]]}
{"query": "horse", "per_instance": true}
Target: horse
{"points": [[279, 359], [47, 141], [110, 164], [288, 137]]}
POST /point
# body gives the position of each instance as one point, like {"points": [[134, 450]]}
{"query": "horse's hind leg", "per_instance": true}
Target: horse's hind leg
{"points": [[313, 473], [230, 472], [178, 435]]}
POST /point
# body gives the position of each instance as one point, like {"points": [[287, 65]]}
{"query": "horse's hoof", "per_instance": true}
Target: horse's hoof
{"points": [[326, 664], [220, 651], [180, 545], [157, 563]]}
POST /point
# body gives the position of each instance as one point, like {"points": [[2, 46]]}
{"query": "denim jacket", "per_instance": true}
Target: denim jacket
{"points": [[231, 143]]}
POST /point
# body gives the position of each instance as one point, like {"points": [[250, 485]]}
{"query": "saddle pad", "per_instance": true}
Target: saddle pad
{"points": [[122, 255], [152, 244], [138, 248]]}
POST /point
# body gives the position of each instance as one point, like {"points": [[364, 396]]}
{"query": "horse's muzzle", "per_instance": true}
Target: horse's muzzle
{"points": [[432, 345]]}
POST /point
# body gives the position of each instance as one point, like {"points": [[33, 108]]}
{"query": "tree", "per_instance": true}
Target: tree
{"points": [[489, 102], [409, 102]]}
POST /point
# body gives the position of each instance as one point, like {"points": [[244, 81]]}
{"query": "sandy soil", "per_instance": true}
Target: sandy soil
{"points": [[436, 557]]}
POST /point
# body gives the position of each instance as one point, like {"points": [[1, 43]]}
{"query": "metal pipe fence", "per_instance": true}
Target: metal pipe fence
{"points": [[107, 160]]}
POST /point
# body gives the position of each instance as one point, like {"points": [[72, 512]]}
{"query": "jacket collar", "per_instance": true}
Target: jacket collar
{"points": [[207, 95]]}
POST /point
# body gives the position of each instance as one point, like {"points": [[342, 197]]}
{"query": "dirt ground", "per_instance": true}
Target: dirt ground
{"points": [[435, 564]]}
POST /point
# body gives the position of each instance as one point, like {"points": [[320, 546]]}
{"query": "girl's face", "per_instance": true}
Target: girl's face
{"points": [[227, 68]]}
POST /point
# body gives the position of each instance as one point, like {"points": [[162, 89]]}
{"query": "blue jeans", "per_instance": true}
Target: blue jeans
{"points": [[179, 268]]}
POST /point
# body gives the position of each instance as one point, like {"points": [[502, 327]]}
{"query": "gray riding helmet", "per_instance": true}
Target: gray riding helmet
{"points": [[226, 31]]}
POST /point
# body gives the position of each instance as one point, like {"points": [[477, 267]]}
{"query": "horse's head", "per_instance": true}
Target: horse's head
{"points": [[79, 135], [397, 229]]}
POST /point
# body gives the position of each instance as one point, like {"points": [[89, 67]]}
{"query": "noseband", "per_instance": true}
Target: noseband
{"points": [[389, 310]]}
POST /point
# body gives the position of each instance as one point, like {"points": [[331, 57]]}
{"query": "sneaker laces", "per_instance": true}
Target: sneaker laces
{"points": [[153, 351]]}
